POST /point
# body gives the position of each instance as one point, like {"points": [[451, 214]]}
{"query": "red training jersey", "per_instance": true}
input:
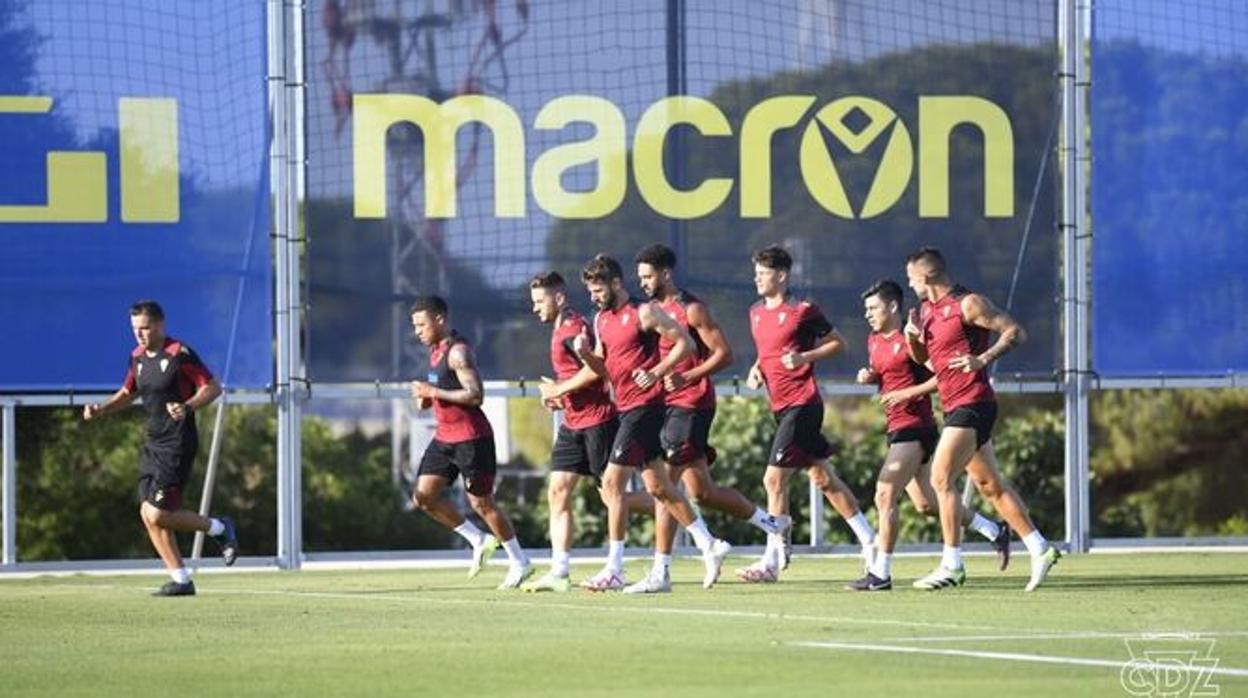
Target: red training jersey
{"points": [[456, 423], [947, 336], [890, 360], [793, 325], [591, 405], [626, 348], [699, 395]]}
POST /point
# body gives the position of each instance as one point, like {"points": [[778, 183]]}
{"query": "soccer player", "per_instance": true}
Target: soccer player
{"points": [[950, 333], [626, 353], [690, 398], [791, 334], [587, 430], [174, 384], [904, 389], [463, 443]]}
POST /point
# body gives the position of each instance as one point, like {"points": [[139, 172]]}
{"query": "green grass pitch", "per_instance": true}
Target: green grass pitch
{"points": [[433, 633]]}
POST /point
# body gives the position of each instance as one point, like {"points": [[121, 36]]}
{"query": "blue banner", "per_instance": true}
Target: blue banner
{"points": [[1170, 188], [134, 141], [460, 148]]}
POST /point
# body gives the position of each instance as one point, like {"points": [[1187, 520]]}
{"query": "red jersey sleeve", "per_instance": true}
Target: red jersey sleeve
{"points": [[129, 383], [193, 369]]}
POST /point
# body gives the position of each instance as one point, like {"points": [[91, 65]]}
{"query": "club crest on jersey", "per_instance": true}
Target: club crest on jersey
{"points": [[756, 319], [138, 369], [946, 311], [780, 321], [896, 348], [164, 364], [624, 319]]}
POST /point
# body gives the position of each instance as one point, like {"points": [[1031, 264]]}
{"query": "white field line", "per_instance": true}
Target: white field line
{"points": [[1003, 656], [1075, 635]]}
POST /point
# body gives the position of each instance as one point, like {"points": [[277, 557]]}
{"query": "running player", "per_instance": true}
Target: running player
{"points": [[791, 334], [462, 444], [587, 429], [690, 398], [174, 384], [628, 333], [950, 335], [904, 389]]}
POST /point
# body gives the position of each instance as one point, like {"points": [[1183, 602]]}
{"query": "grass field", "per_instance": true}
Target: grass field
{"points": [[431, 632]]}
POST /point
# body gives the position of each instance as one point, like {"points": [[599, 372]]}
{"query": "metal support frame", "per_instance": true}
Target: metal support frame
{"points": [[1074, 161], [677, 150], [8, 482], [210, 477], [285, 36]]}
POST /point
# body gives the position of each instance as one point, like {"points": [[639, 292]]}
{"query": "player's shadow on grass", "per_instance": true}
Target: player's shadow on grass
{"points": [[1149, 581]]}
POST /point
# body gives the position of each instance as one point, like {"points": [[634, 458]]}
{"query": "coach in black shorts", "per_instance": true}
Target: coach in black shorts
{"points": [[173, 383]]}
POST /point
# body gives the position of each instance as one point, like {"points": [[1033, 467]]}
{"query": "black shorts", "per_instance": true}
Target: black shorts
{"points": [[473, 459], [926, 436], [686, 435], [980, 416], [637, 442], [799, 440], [584, 451], [164, 472]]}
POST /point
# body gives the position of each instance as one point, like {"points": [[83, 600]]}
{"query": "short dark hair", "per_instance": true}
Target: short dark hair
{"points": [[549, 280], [149, 308], [929, 256], [774, 257], [432, 305], [887, 289], [658, 255], [601, 270]]}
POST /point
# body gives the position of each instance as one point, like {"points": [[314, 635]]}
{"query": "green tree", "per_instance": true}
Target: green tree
{"points": [[1169, 462]]}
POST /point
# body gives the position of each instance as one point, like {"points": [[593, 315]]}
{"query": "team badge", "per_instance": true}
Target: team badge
{"points": [[164, 364], [896, 348], [782, 317], [947, 309]]}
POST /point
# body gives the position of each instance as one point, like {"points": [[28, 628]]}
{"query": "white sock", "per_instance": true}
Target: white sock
{"points": [[862, 529], [701, 536], [1035, 542], [615, 556], [761, 519], [215, 527], [559, 563], [985, 527], [471, 533], [952, 558], [515, 553], [771, 556], [883, 567], [181, 575], [662, 563]]}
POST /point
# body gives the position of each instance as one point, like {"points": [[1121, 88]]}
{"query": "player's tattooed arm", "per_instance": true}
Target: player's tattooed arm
{"points": [[980, 312], [720, 353], [472, 393]]}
